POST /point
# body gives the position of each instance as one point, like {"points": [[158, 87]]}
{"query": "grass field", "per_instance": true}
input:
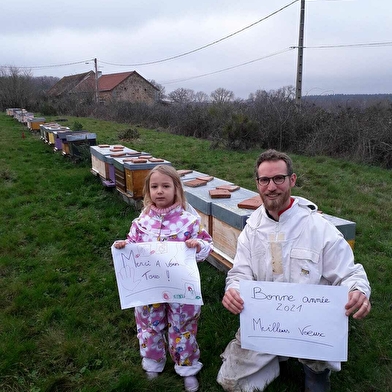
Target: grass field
{"points": [[61, 326]]}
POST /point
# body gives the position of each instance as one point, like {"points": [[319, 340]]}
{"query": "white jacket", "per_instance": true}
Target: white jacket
{"points": [[302, 247]]}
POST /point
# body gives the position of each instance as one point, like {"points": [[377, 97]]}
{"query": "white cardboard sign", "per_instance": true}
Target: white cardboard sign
{"points": [[295, 320], [156, 272]]}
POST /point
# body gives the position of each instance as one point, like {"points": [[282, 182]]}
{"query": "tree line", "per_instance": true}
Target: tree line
{"points": [[267, 119]]}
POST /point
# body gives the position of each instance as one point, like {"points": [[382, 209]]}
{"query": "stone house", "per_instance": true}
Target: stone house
{"points": [[73, 84], [124, 86]]}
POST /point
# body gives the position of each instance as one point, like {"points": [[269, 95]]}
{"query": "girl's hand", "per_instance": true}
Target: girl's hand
{"points": [[120, 244], [192, 243]]}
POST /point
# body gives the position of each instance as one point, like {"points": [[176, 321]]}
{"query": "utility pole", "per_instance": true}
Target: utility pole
{"points": [[298, 87], [96, 81]]}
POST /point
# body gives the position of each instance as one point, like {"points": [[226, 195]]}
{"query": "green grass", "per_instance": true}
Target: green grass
{"points": [[61, 326]]}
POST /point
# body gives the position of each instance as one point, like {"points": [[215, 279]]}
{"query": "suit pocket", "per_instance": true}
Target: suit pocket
{"points": [[305, 266]]}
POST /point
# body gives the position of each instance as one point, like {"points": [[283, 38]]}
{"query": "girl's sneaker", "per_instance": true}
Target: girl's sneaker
{"points": [[151, 375], [191, 384]]}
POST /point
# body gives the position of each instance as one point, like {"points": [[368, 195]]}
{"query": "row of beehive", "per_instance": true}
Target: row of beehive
{"points": [[61, 138], [25, 117], [126, 169], [222, 206], [223, 213], [121, 167], [64, 139], [226, 217]]}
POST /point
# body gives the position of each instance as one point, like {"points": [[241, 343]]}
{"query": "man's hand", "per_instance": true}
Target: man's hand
{"points": [[358, 303], [232, 301]]}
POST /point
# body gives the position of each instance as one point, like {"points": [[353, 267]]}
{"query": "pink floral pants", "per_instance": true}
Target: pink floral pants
{"points": [[172, 326]]}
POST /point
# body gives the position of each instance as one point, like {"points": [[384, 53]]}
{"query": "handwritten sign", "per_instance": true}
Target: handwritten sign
{"points": [[295, 320], [156, 272]]}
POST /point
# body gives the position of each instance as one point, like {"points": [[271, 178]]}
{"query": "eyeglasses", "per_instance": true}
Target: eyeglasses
{"points": [[278, 180]]}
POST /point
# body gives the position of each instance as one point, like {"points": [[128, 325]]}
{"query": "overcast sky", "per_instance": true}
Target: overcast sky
{"points": [[242, 46]]}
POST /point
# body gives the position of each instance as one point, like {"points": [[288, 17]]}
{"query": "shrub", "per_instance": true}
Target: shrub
{"points": [[129, 134], [240, 133], [77, 126]]}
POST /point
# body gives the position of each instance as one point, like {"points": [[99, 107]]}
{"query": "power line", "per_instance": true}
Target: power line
{"points": [[369, 45], [374, 44], [52, 66], [227, 69], [173, 57], [205, 46]]}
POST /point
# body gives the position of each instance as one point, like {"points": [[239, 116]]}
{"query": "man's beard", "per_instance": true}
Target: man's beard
{"points": [[277, 204]]}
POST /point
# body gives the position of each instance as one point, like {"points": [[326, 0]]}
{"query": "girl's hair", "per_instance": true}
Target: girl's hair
{"points": [[172, 173]]}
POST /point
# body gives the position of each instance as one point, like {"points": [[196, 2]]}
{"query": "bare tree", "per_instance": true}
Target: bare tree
{"points": [[161, 89], [44, 83], [221, 95], [200, 96], [16, 87], [182, 95]]}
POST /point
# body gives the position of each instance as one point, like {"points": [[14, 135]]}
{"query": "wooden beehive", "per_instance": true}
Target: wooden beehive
{"points": [[66, 141], [102, 161], [228, 220], [51, 136], [78, 142], [346, 227], [34, 123], [26, 117], [11, 111], [20, 114], [59, 138], [119, 174], [44, 129], [136, 173], [47, 129], [199, 197]]}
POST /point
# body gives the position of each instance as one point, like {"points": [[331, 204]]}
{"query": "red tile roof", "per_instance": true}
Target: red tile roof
{"points": [[86, 82], [69, 83], [109, 82]]}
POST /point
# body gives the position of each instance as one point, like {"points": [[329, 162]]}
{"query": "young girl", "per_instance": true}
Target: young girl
{"points": [[165, 218]]}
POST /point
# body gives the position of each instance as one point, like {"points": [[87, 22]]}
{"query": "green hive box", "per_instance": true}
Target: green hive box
{"points": [[346, 227]]}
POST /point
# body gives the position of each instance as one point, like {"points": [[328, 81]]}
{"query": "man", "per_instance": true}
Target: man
{"points": [[286, 240]]}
